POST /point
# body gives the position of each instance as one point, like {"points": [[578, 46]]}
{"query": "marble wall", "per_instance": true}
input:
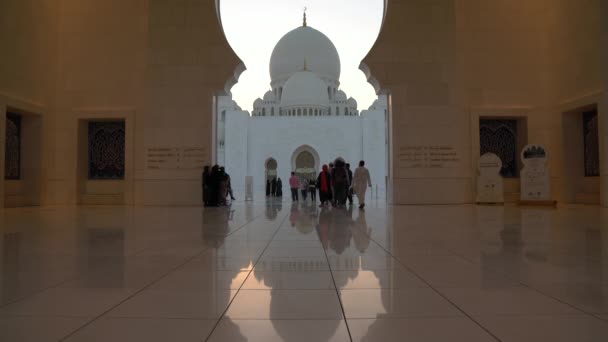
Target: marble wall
{"points": [[447, 63]]}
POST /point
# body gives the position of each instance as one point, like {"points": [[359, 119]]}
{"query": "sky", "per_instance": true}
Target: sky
{"points": [[253, 27]]}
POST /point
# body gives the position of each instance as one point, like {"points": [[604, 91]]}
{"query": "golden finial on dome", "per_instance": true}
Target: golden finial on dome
{"points": [[304, 24]]}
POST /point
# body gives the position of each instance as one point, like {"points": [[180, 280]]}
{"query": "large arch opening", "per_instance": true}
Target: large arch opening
{"points": [[305, 162], [314, 68]]}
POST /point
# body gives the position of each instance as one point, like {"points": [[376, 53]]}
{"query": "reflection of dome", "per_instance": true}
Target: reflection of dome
{"points": [[304, 88], [304, 43]]}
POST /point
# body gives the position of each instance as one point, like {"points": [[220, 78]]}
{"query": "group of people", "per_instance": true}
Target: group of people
{"points": [[216, 186], [336, 185], [274, 187]]}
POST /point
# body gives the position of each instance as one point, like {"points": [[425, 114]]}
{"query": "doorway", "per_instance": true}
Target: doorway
{"points": [[22, 159], [581, 155]]}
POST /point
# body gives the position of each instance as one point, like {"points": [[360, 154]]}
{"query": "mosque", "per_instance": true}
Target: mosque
{"points": [[303, 122], [490, 136]]}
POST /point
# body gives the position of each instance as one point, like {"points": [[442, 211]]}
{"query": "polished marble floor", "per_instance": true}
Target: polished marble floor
{"points": [[282, 272]]}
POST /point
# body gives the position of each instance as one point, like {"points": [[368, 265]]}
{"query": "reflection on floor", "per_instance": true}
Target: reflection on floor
{"points": [[281, 272]]}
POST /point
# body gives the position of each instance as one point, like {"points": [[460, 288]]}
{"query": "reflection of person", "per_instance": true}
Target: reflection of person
{"points": [[294, 214], [361, 180], [294, 184], [361, 233]]}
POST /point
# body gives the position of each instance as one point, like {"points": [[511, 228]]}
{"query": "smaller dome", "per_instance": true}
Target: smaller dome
{"points": [[258, 103], [269, 96], [352, 103], [304, 88], [340, 95]]}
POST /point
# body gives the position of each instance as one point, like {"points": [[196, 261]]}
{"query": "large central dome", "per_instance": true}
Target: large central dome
{"points": [[304, 45], [304, 88]]}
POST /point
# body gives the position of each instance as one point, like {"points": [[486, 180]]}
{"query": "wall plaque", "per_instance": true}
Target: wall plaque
{"points": [[176, 158], [428, 157]]}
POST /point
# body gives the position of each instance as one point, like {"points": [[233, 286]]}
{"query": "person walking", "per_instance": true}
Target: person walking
{"points": [[214, 186], [273, 187], [304, 188], [340, 180], [229, 187], [312, 188], [267, 187], [205, 184], [324, 186], [294, 184], [361, 181], [223, 187], [279, 188], [349, 191], [332, 198]]}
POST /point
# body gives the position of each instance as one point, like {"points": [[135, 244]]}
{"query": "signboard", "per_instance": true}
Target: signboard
{"points": [[535, 179], [490, 188], [248, 188]]}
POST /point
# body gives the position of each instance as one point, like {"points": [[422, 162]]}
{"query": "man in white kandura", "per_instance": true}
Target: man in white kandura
{"points": [[361, 180]]}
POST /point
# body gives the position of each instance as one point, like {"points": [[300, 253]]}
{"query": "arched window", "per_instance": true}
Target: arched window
{"points": [[263, 111], [299, 112], [272, 111], [329, 93], [337, 110]]}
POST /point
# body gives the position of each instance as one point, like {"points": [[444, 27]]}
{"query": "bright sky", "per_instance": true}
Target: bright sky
{"points": [[253, 27]]}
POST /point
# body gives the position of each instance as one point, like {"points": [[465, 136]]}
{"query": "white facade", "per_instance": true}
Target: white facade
{"points": [[304, 111]]}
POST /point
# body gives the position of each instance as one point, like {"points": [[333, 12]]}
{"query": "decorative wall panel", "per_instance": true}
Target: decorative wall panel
{"points": [[499, 136], [591, 144], [106, 150], [12, 154]]}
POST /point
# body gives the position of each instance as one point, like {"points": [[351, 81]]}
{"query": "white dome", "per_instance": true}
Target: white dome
{"points": [[340, 95], [300, 45], [258, 103], [352, 103], [304, 88], [269, 96]]}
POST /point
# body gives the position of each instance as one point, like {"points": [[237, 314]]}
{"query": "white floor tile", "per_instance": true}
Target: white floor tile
{"points": [[148, 330], [417, 329], [285, 304], [280, 331], [37, 329]]}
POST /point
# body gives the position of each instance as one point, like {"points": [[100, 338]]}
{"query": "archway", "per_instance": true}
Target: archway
{"points": [[271, 168], [305, 162]]}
